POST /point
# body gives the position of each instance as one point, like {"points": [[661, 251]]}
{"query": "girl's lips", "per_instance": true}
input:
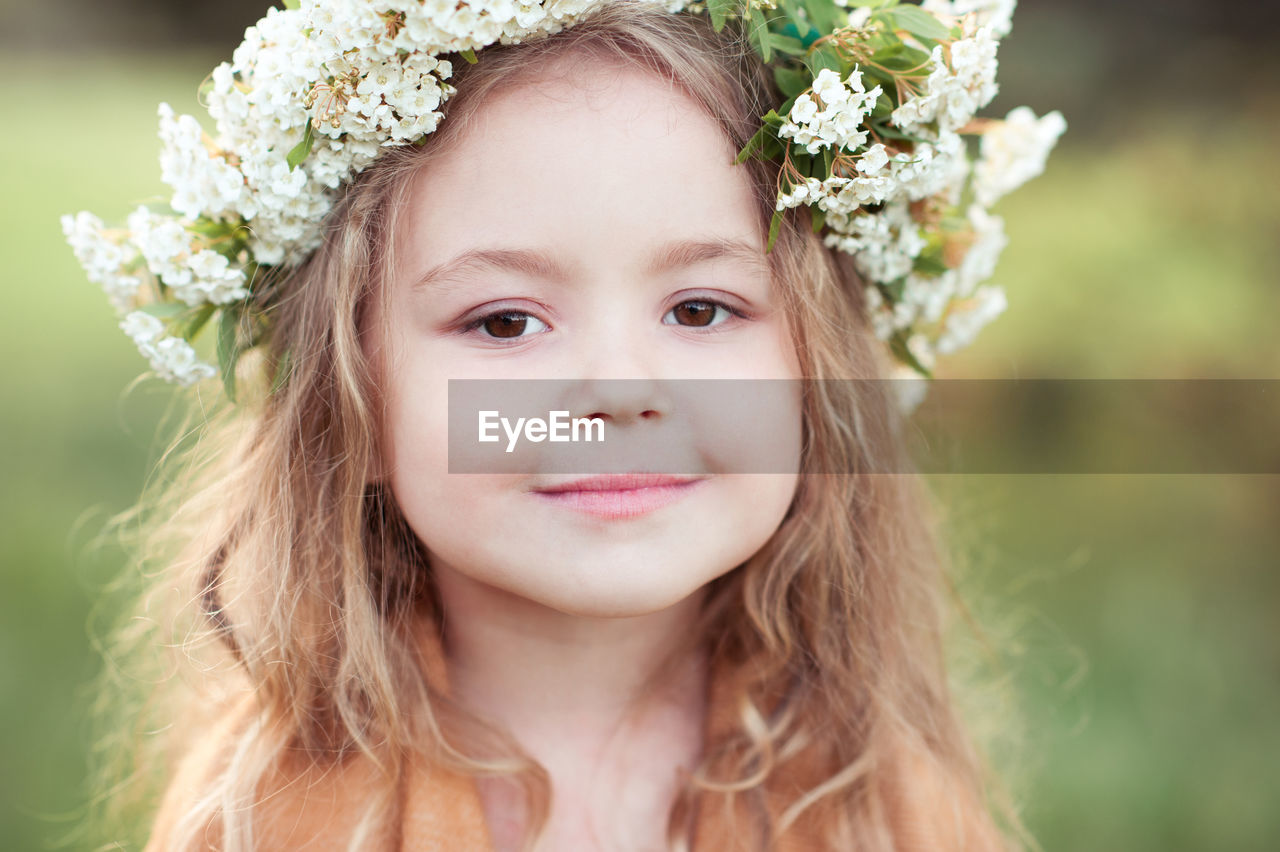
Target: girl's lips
{"points": [[617, 496]]}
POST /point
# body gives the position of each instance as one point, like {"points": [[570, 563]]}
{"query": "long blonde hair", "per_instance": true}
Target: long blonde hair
{"points": [[288, 573]]}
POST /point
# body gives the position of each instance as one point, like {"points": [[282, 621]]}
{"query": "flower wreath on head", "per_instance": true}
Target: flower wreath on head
{"points": [[879, 96]]}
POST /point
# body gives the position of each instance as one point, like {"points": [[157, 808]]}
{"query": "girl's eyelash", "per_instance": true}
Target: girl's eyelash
{"points": [[473, 325], [470, 326], [738, 313]]}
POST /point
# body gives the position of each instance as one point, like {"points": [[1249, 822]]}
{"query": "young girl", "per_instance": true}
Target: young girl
{"points": [[395, 656]]}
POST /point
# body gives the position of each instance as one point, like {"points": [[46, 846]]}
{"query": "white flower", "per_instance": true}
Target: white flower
{"points": [[1014, 151], [202, 183], [932, 293], [980, 260], [176, 361], [215, 281], [804, 110], [830, 88], [884, 245], [875, 159], [172, 358], [142, 327], [930, 168], [801, 193], [355, 77], [969, 317], [859, 17], [909, 387], [104, 260], [953, 93], [845, 105], [380, 81], [165, 244], [879, 313], [997, 14]]}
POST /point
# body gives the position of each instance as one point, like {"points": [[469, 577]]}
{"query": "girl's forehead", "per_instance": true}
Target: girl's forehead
{"points": [[611, 110], [617, 160]]}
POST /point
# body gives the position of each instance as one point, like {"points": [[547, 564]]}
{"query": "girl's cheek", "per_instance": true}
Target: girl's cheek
{"points": [[761, 349]]}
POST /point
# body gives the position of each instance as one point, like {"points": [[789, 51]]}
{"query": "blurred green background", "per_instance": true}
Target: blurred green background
{"points": [[1139, 612]]}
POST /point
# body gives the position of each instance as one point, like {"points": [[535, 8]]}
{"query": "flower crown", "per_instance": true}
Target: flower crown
{"points": [[879, 95]]}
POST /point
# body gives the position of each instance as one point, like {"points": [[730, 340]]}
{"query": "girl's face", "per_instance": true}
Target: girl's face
{"points": [[547, 219]]}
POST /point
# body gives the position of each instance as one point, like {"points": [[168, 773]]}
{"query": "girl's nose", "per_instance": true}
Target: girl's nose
{"points": [[620, 401], [618, 379]]}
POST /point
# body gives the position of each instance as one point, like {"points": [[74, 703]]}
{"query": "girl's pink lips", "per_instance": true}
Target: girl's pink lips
{"points": [[623, 495]]}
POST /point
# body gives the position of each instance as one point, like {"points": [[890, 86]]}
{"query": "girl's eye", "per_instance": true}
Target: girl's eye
{"points": [[508, 324], [699, 312]]}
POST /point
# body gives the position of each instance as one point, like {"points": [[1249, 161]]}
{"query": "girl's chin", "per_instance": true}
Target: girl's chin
{"points": [[621, 592]]}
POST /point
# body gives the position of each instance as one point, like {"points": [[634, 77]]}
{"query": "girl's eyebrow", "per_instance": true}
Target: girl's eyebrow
{"points": [[534, 264], [682, 253], [524, 261]]}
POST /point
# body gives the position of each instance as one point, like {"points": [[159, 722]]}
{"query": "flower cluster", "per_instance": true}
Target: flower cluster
{"points": [[900, 192], [103, 258], [870, 137], [844, 104], [192, 273], [960, 84], [925, 299], [997, 14], [172, 358], [308, 100], [1014, 152]]}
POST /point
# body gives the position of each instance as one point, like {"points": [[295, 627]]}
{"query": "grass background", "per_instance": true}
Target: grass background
{"points": [[1140, 611]]}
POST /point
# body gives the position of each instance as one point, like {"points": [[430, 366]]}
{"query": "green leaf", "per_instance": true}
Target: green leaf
{"points": [[754, 144], [469, 55], [791, 30], [891, 133], [720, 11], [774, 225], [828, 159], [824, 57], [898, 345], [302, 149], [916, 21], [930, 265], [802, 160], [787, 44], [228, 353], [899, 57], [210, 228], [758, 32], [791, 11], [197, 321], [819, 218], [293, 4], [790, 81], [163, 310], [825, 15]]}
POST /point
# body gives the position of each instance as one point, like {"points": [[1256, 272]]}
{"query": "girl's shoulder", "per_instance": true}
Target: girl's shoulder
{"points": [[299, 804]]}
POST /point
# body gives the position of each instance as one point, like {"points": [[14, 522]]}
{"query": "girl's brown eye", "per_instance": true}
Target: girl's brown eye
{"points": [[698, 313], [509, 324]]}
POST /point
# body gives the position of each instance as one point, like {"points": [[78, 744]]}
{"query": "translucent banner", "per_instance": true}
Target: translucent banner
{"points": [[711, 426]]}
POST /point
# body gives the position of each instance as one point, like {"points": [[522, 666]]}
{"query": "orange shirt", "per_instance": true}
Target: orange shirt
{"points": [[442, 809], [317, 810]]}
